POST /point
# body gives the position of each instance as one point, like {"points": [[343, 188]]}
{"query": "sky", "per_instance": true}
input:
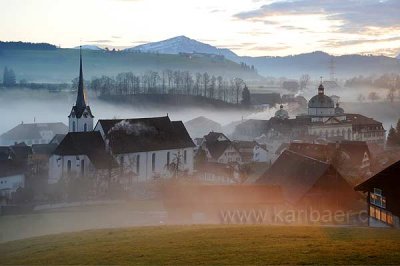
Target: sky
{"points": [[247, 27]]}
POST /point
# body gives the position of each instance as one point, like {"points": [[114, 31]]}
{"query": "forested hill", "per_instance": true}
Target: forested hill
{"points": [[26, 46], [62, 65]]}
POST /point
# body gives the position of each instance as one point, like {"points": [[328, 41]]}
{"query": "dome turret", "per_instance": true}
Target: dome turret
{"points": [[339, 110], [281, 113]]}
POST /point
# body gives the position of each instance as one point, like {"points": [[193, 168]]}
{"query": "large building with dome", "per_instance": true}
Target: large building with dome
{"points": [[324, 120]]}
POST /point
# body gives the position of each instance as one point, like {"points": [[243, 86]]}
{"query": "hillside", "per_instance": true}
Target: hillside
{"points": [[193, 245], [61, 65], [317, 64]]}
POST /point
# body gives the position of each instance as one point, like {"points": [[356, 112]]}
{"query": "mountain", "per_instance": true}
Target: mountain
{"points": [[318, 64], [89, 47], [315, 63], [181, 44]]}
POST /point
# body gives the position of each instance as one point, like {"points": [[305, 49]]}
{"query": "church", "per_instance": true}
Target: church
{"points": [[323, 121], [120, 150]]}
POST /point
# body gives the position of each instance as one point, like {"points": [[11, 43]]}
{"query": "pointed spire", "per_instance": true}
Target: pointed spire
{"points": [[80, 99]]}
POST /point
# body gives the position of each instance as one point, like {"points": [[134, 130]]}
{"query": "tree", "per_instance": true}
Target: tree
{"points": [[373, 96], [238, 82], [392, 139], [206, 79], [304, 79], [246, 96], [9, 78], [390, 96]]}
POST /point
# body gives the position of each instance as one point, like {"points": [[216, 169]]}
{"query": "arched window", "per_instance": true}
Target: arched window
{"points": [[121, 162], [153, 162], [73, 126], [85, 127], [349, 134], [82, 167], [69, 166], [137, 164], [168, 158], [184, 156]]}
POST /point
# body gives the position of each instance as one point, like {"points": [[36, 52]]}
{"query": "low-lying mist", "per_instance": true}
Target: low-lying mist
{"points": [[17, 105]]}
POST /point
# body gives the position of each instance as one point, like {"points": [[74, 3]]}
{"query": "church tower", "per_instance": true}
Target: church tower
{"points": [[80, 118]]}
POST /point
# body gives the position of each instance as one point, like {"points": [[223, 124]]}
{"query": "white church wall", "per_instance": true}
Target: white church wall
{"points": [[60, 166], [147, 171]]}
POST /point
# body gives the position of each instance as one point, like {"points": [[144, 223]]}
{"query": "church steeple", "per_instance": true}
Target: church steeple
{"points": [[80, 118], [80, 99]]}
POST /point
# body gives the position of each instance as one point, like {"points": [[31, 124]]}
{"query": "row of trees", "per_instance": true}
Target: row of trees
{"points": [[385, 81], [171, 82]]}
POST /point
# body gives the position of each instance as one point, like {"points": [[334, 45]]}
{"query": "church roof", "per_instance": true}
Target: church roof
{"points": [[321, 100], [145, 134], [90, 144]]}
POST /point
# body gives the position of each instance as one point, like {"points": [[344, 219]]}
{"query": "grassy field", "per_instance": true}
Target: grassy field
{"points": [[210, 245]]}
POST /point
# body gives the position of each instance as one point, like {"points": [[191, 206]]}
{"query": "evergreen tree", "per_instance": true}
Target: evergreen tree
{"points": [[5, 74], [398, 132], [9, 78], [246, 96], [392, 139]]}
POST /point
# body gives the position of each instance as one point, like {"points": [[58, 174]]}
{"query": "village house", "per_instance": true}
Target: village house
{"points": [[383, 197], [351, 158], [12, 177], [310, 183], [35, 133], [220, 149], [251, 151]]}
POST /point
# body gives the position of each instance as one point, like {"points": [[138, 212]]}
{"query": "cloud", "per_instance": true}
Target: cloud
{"points": [[100, 41], [339, 43], [353, 13]]}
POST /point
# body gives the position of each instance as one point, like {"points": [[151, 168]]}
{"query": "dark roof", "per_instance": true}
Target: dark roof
{"points": [[355, 149], [45, 149], [21, 151], [217, 148], [357, 119], [213, 136], [57, 139], [389, 175], [5, 153], [32, 131], [145, 134], [295, 173], [242, 144], [90, 144], [9, 168]]}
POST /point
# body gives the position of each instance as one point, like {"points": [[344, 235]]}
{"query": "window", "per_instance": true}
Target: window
{"points": [[138, 164], [85, 127], [381, 215], [82, 167], [153, 162], [168, 158], [377, 199], [69, 166], [73, 126], [184, 156]]}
